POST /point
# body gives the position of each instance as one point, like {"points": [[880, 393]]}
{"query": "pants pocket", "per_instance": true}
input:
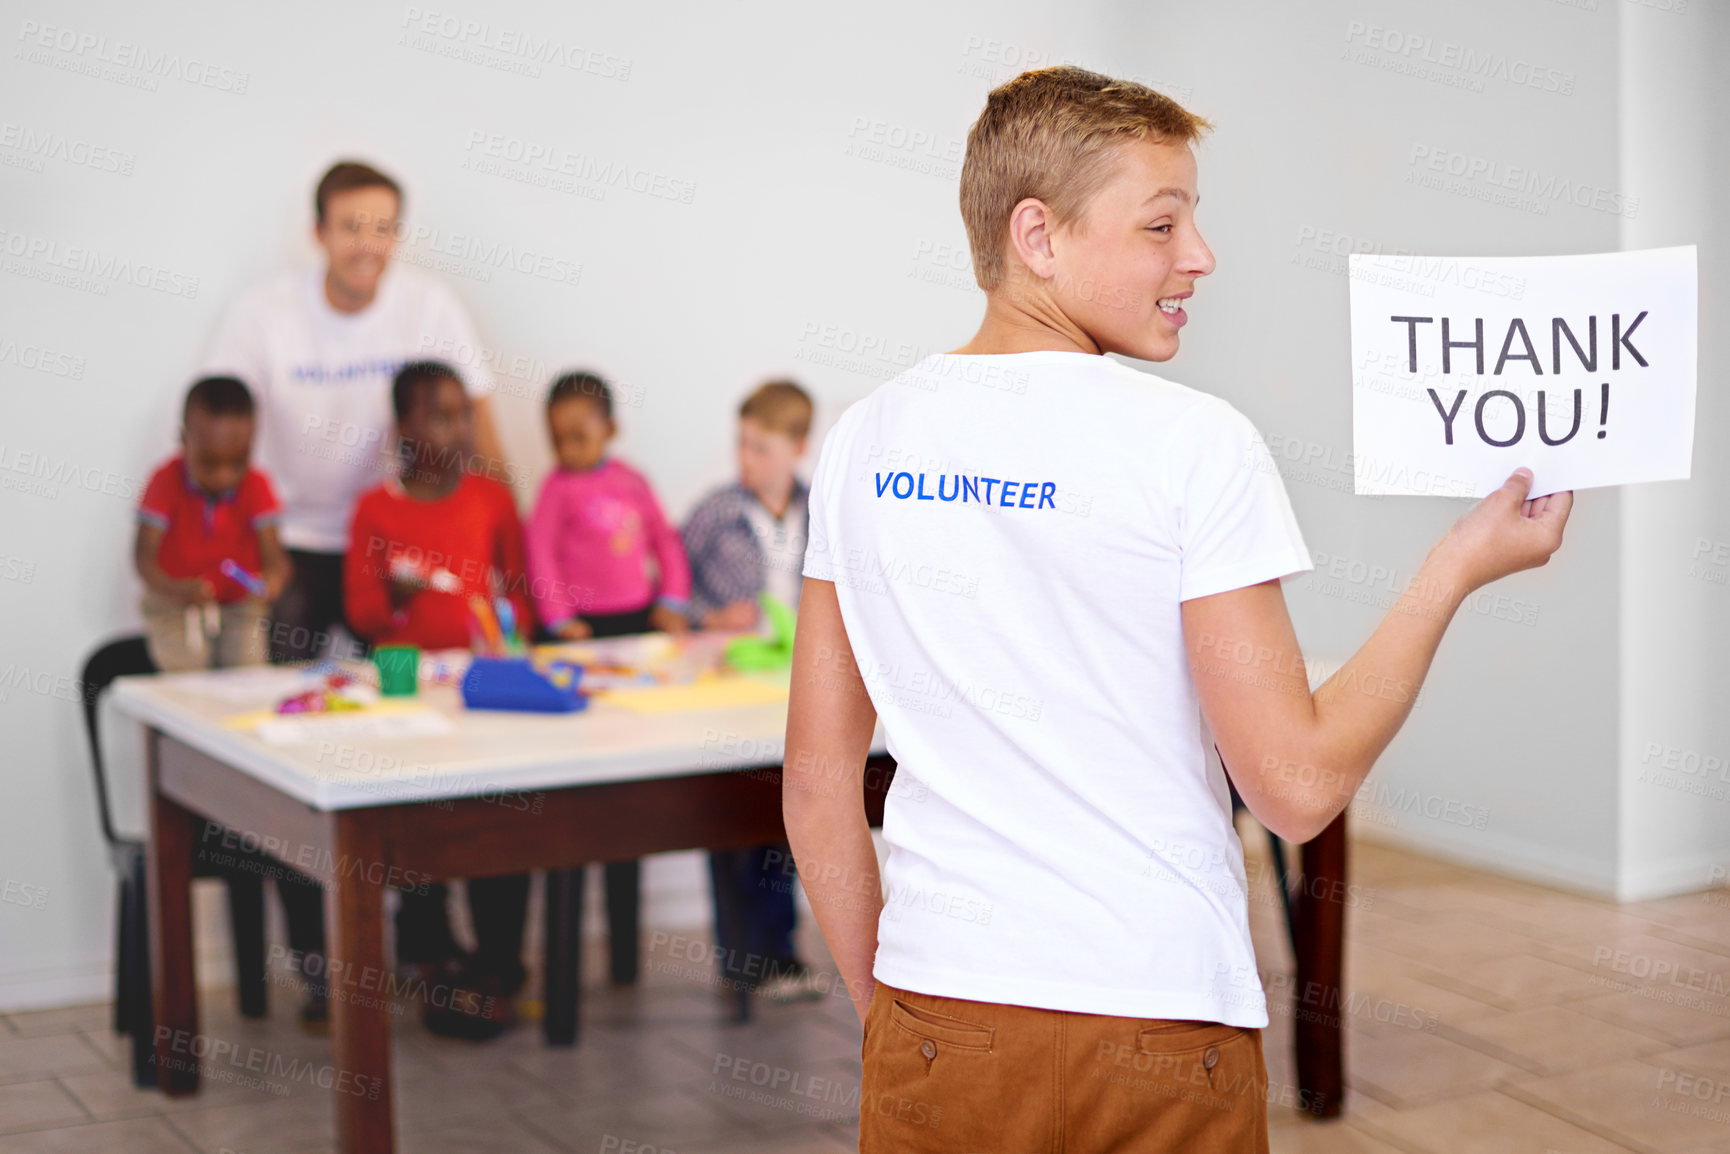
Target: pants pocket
{"points": [[1180, 1037], [932, 1081], [1193, 1053], [937, 1030], [1161, 1086]]}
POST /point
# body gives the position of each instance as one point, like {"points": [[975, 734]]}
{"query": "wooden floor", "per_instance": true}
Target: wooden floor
{"points": [[1483, 1015]]}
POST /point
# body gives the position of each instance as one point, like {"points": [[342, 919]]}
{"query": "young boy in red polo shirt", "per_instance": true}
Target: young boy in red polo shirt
{"points": [[207, 546], [420, 546], [213, 563]]}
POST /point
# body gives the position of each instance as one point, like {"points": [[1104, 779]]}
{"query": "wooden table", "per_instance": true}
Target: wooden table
{"points": [[360, 814]]}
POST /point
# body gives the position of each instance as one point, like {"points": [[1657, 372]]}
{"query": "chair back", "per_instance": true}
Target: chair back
{"points": [[121, 657]]}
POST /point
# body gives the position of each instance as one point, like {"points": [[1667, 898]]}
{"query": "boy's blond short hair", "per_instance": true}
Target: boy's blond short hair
{"points": [[1053, 134], [781, 407]]}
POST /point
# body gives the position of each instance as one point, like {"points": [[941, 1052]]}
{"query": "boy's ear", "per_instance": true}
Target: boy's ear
{"points": [[799, 448]]}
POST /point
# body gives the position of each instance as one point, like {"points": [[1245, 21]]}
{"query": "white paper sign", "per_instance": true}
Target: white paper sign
{"points": [[1580, 368]]}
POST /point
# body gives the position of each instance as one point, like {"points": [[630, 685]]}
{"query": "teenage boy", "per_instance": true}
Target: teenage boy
{"points": [[319, 347], [1063, 958], [745, 538]]}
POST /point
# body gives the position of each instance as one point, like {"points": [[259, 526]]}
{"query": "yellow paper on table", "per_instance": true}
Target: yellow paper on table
{"points": [[375, 709], [707, 693]]}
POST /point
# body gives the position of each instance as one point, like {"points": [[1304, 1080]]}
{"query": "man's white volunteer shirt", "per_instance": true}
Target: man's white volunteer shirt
{"points": [[1010, 537], [322, 381]]}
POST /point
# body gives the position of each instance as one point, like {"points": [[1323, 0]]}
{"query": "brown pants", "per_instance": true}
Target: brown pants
{"points": [[949, 1075]]}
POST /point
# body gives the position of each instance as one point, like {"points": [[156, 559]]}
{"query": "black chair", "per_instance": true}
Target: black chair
{"points": [[133, 1013]]}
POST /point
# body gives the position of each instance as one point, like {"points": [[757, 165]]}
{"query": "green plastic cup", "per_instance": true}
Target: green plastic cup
{"points": [[398, 670]]}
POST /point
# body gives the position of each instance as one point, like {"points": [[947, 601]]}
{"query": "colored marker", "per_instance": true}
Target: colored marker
{"points": [[251, 582], [507, 623], [489, 625]]}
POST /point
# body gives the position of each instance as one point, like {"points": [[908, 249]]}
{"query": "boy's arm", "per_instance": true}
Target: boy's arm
{"points": [[695, 537], [366, 584], [265, 518], [726, 568], [154, 519], [273, 561], [829, 723], [513, 564], [1297, 758], [145, 545]]}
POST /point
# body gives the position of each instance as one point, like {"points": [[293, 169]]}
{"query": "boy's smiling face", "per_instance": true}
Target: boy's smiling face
{"points": [[1135, 245]]}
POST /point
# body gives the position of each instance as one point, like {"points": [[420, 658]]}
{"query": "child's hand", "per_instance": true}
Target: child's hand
{"points": [[192, 590], [737, 615], [1505, 533], [403, 590], [668, 620], [576, 629]]}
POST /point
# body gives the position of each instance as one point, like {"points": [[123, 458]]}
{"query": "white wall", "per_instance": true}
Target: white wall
{"points": [[802, 241], [1516, 729], [1675, 798], [789, 245]]}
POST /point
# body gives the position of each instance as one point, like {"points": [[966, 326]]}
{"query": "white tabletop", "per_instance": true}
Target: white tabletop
{"points": [[479, 753]]}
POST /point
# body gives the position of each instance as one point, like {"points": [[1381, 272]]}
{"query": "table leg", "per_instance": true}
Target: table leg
{"points": [[359, 1002], [562, 976], [1319, 929], [173, 990]]}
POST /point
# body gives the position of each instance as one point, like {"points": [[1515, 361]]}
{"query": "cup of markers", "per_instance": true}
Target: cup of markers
{"points": [[502, 676], [493, 627]]}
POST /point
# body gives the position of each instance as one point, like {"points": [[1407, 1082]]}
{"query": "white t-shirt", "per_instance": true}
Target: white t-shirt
{"points": [[322, 381], [1010, 537]]}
